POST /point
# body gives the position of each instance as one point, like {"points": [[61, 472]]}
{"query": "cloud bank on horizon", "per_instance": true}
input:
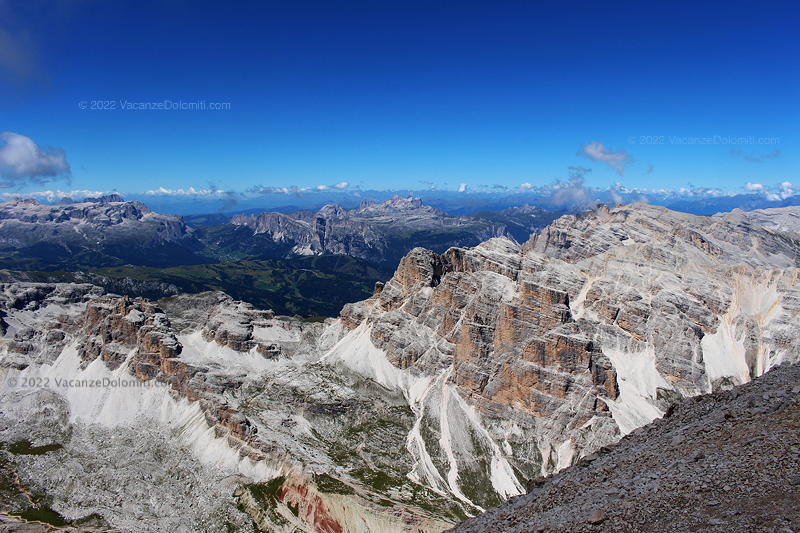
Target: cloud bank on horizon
{"points": [[571, 194], [23, 162]]}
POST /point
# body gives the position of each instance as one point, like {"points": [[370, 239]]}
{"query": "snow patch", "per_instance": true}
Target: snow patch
{"points": [[200, 352], [638, 381], [724, 351], [427, 396], [564, 454], [576, 305], [119, 399], [358, 353]]}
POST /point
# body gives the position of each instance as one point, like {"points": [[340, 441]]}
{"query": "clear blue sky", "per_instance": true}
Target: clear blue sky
{"points": [[389, 95]]}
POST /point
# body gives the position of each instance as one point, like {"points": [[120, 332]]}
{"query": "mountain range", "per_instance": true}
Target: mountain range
{"points": [[383, 233], [273, 260], [458, 384]]}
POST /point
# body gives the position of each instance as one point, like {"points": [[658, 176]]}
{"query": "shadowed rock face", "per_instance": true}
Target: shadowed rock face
{"points": [[466, 375]]}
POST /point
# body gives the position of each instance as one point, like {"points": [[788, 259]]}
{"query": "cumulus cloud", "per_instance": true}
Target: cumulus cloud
{"points": [[783, 191], [462, 187], [572, 194], [755, 158], [597, 151], [526, 186], [753, 187], [22, 160], [231, 198], [342, 185]]}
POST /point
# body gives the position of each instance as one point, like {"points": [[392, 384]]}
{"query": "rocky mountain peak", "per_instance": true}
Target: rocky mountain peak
{"points": [[395, 205], [331, 211], [573, 238], [105, 199]]}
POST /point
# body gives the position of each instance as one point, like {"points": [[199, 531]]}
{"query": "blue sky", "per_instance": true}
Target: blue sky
{"points": [[405, 95]]}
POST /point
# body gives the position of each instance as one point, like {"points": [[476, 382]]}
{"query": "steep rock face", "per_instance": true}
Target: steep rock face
{"points": [[378, 232], [587, 331]]}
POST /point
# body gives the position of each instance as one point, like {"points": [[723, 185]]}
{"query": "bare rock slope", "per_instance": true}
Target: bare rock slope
{"points": [[727, 461]]}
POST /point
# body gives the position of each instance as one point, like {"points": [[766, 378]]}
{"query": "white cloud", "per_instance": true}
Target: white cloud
{"points": [[572, 194], [342, 185], [786, 189], [52, 196], [597, 151], [292, 189], [21, 159], [191, 191], [776, 193], [462, 187], [526, 186]]}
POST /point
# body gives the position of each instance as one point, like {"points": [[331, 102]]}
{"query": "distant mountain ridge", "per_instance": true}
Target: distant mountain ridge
{"points": [[269, 259], [95, 231], [382, 232], [109, 231]]}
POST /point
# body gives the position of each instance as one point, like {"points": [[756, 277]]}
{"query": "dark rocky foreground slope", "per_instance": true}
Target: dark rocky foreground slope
{"points": [[728, 461]]}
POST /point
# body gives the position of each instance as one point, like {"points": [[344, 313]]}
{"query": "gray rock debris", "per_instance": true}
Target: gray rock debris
{"points": [[726, 473]]}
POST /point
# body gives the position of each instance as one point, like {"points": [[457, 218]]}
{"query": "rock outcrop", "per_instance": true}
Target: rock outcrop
{"points": [[586, 332]]}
